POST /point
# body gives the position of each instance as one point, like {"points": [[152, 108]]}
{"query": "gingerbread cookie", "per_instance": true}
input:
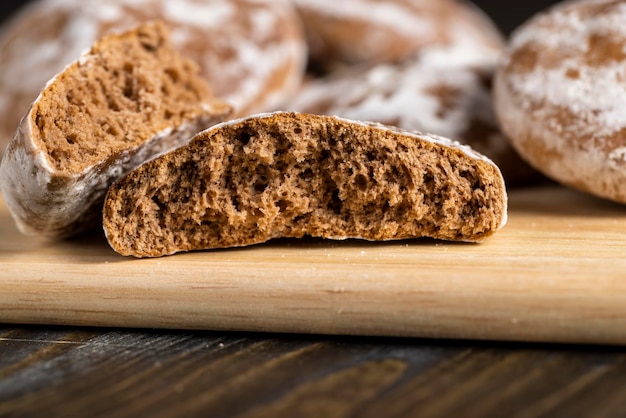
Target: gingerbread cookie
{"points": [[560, 95], [128, 98], [348, 32], [289, 175], [251, 51]]}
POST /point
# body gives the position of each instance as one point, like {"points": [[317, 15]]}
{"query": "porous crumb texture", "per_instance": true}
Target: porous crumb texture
{"points": [[127, 89], [127, 99], [291, 175]]}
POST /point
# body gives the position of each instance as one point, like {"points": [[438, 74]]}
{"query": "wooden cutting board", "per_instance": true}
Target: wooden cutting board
{"points": [[556, 272]]}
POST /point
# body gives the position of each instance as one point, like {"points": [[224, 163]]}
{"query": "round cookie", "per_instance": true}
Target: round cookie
{"points": [[444, 90], [349, 32], [560, 95], [252, 51]]}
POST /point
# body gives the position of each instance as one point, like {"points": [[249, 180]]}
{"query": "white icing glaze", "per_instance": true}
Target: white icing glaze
{"points": [[593, 94], [617, 158], [473, 28], [464, 52], [598, 94], [573, 27], [191, 13], [252, 86], [395, 16], [412, 24], [587, 166], [597, 97]]}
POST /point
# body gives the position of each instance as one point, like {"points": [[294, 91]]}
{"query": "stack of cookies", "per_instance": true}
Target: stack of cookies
{"points": [[215, 123]]}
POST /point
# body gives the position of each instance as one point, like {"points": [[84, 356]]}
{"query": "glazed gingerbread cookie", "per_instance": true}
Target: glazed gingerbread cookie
{"points": [[349, 32], [560, 95], [128, 98], [252, 51]]}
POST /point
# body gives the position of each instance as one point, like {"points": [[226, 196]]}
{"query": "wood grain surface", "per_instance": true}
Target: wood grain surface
{"points": [[555, 273], [70, 372]]}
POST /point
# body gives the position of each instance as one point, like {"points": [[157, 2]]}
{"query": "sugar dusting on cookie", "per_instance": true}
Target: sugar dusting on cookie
{"points": [[563, 75], [560, 95]]}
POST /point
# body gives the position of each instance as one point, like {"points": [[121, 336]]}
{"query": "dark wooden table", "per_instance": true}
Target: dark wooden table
{"points": [[80, 372]]}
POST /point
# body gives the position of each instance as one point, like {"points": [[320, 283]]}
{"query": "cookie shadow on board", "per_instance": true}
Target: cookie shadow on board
{"points": [[90, 248], [284, 246], [92, 243], [93, 248], [314, 243]]}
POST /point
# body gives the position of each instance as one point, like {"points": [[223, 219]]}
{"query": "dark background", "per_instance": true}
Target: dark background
{"points": [[508, 14]]}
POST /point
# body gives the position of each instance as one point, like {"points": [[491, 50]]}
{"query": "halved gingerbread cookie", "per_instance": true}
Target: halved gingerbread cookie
{"points": [[129, 97], [289, 175]]}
